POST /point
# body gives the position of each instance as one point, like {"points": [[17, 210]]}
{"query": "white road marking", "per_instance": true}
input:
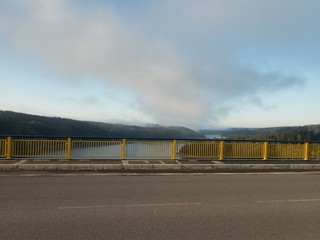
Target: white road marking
{"points": [[131, 205], [20, 162], [162, 162], [43, 174], [289, 200], [217, 162], [125, 162]]}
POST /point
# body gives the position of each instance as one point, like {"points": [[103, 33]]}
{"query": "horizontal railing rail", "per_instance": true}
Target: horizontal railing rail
{"points": [[103, 148]]}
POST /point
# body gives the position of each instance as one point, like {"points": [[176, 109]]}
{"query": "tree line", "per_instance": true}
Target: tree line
{"points": [[12, 123], [305, 133]]}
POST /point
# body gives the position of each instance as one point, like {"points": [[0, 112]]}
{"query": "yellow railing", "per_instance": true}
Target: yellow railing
{"points": [[199, 149], [292, 151], [148, 149], [38, 148], [314, 150], [95, 149], [243, 150], [3, 145], [11, 148]]}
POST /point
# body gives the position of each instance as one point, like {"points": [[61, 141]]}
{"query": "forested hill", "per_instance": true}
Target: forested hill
{"points": [[12, 123], [299, 133]]}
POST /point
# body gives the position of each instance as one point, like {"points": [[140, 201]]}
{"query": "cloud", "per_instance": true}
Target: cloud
{"points": [[176, 57]]}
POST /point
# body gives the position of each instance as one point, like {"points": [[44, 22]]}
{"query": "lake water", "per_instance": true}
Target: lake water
{"points": [[133, 151], [213, 136]]}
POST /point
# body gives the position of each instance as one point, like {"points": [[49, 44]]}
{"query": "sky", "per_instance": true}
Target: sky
{"points": [[203, 64]]}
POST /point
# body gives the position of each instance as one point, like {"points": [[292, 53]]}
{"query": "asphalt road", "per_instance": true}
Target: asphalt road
{"points": [[211, 206]]}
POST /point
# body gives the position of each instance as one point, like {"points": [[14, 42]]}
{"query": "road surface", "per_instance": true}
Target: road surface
{"points": [[185, 206]]}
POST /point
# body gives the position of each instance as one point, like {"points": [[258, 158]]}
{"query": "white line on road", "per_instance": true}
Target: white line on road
{"points": [[130, 205], [217, 162], [46, 174], [289, 200], [125, 162], [20, 162]]}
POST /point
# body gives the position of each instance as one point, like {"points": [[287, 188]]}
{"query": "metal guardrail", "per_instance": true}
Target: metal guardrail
{"points": [[313, 151], [86, 149], [38, 148], [199, 149], [280, 150], [3, 146], [11, 148], [137, 149], [243, 150]]}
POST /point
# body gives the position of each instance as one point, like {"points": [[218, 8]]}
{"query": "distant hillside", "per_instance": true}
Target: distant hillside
{"points": [[12, 123], [299, 133]]}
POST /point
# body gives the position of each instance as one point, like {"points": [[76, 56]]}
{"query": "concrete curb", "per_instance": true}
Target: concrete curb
{"points": [[160, 167]]}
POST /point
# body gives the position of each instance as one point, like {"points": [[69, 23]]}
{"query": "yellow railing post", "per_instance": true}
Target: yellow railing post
{"points": [[221, 155], [265, 150], [306, 151], [9, 148], [123, 149], [174, 149], [69, 148]]}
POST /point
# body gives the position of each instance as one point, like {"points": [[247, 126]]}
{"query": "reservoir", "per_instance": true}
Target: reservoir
{"points": [[132, 151]]}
